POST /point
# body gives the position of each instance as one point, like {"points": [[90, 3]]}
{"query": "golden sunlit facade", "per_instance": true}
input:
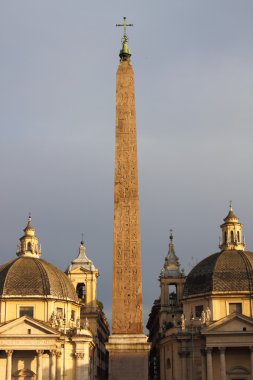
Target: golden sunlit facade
{"points": [[206, 332], [43, 334]]}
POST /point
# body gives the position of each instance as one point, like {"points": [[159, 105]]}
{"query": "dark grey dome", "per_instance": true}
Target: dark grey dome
{"points": [[28, 276], [226, 271]]}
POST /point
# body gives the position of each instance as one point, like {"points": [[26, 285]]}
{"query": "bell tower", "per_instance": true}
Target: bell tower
{"points": [[84, 276], [172, 280]]}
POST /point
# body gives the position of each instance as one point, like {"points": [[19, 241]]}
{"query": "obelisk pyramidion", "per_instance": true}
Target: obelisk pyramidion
{"points": [[127, 346]]}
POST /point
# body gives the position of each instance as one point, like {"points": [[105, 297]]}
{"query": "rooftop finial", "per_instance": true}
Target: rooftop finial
{"points": [[230, 206], [171, 235], [82, 241], [29, 222], [125, 53]]}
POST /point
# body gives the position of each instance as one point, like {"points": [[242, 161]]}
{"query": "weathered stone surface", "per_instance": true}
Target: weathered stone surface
{"points": [[128, 357], [127, 310]]}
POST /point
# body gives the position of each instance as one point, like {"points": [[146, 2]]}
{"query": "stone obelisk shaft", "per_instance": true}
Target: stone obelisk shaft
{"points": [[127, 346], [127, 310]]}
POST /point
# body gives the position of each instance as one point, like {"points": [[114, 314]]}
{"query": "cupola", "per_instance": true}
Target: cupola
{"points": [[232, 238], [29, 243]]}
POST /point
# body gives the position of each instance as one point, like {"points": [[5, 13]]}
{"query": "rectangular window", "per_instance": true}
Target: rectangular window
{"points": [[26, 310], [235, 307], [73, 314], [59, 312], [198, 311]]}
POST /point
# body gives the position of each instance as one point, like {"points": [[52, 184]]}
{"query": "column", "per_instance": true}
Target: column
{"points": [[8, 364], [222, 363], [58, 365], [162, 362], [203, 364], [183, 355], [79, 366], [184, 366], [166, 294], [209, 363], [52, 364], [163, 294], [251, 362], [39, 364]]}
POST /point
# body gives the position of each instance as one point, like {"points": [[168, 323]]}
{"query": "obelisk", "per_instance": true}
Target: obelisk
{"points": [[127, 346]]}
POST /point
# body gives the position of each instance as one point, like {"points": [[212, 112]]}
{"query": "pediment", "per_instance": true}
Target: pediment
{"points": [[81, 269], [27, 326], [233, 323]]}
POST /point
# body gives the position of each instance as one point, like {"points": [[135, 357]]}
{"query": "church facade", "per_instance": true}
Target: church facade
{"points": [[201, 327], [46, 327]]}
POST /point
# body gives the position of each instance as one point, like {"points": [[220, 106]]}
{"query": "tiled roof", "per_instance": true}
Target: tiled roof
{"points": [[27, 276], [226, 271]]}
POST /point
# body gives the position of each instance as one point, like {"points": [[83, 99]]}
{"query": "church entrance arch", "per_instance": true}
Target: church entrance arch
{"points": [[238, 373]]}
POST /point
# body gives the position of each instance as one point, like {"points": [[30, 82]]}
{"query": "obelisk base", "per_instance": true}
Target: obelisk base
{"points": [[128, 356]]}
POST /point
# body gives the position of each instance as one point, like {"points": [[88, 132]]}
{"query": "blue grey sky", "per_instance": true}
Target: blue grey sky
{"points": [[194, 94]]}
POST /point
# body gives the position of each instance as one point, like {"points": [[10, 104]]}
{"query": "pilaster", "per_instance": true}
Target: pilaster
{"points": [[184, 354], [203, 363], [251, 362], [80, 370]]}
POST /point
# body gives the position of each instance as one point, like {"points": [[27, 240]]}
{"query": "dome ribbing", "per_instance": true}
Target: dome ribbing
{"points": [[32, 277], [226, 271]]}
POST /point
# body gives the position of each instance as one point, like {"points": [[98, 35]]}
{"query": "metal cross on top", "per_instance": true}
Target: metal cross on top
{"points": [[124, 26]]}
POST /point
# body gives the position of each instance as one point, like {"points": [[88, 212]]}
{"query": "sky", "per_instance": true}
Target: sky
{"points": [[193, 64]]}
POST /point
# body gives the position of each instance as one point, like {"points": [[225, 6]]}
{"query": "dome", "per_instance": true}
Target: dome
{"points": [[225, 271], [34, 277]]}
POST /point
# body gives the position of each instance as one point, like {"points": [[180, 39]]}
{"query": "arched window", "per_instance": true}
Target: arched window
{"points": [[172, 295], [225, 237], [232, 236], [81, 291], [238, 236], [29, 246]]}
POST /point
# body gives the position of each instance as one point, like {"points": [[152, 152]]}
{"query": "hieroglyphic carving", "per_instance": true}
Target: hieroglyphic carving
{"points": [[127, 280]]}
